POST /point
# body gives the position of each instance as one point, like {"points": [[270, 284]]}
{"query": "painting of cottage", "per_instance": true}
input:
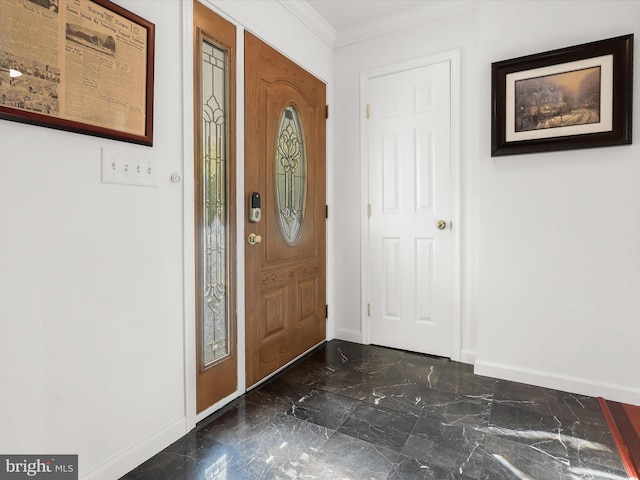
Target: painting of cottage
{"points": [[558, 100]]}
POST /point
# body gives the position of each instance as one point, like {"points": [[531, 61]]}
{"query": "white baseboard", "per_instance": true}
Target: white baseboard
{"points": [[348, 335], [468, 356], [581, 386], [130, 458]]}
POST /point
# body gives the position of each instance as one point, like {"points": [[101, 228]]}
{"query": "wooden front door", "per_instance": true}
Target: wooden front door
{"points": [[285, 251]]}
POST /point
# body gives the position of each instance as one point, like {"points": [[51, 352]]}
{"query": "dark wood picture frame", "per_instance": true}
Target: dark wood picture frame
{"points": [[95, 30], [536, 108]]}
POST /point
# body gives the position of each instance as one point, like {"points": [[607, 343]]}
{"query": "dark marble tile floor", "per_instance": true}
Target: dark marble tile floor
{"points": [[358, 412]]}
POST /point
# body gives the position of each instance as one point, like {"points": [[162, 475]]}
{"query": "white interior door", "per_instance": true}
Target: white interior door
{"points": [[410, 266]]}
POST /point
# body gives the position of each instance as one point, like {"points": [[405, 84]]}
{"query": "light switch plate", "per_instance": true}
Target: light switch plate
{"points": [[129, 168]]}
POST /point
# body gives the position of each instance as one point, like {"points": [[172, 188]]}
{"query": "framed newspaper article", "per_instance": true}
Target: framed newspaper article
{"points": [[84, 66]]}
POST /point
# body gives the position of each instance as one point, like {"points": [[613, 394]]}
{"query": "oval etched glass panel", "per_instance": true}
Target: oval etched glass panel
{"points": [[291, 176]]}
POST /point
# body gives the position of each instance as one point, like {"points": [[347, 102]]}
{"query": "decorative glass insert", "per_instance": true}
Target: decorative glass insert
{"points": [[291, 178], [215, 328]]}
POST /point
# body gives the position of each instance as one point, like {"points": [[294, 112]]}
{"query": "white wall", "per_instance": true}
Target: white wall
{"points": [[551, 264], [92, 288], [559, 263], [91, 351]]}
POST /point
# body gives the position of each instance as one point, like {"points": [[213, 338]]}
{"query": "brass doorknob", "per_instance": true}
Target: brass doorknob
{"points": [[441, 225], [254, 239]]}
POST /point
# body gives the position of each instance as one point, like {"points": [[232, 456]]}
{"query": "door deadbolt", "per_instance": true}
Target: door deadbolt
{"points": [[254, 239], [441, 225]]}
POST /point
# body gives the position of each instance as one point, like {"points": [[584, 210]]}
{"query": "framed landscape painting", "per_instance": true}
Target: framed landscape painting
{"points": [[575, 97]]}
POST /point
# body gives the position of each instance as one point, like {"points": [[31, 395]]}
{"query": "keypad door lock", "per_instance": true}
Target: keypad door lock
{"points": [[255, 212]]}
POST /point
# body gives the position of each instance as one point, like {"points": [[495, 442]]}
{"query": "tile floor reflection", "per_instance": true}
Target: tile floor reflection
{"points": [[350, 412]]}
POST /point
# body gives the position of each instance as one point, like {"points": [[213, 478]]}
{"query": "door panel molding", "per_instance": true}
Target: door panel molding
{"points": [[453, 58]]}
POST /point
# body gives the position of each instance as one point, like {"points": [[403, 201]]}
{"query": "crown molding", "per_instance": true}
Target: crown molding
{"points": [[312, 19], [424, 12]]}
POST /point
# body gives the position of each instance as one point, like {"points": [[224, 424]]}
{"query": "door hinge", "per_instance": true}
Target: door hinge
{"points": [[326, 311], [369, 210], [326, 211], [368, 309], [326, 111], [368, 110]]}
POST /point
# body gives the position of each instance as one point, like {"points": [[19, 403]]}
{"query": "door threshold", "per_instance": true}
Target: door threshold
{"points": [[260, 382]]}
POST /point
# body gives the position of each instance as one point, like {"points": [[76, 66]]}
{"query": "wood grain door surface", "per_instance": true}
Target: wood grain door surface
{"points": [[285, 284]]}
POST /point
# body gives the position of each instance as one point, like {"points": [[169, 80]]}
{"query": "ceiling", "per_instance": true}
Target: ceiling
{"points": [[349, 21], [344, 14]]}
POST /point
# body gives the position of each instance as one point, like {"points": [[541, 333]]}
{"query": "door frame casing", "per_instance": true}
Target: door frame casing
{"points": [[453, 58]]}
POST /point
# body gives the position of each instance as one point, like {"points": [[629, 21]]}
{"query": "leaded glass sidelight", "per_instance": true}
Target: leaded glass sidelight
{"points": [[291, 178], [214, 318]]}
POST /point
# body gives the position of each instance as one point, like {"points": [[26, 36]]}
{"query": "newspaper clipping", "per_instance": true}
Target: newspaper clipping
{"points": [[75, 60]]}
